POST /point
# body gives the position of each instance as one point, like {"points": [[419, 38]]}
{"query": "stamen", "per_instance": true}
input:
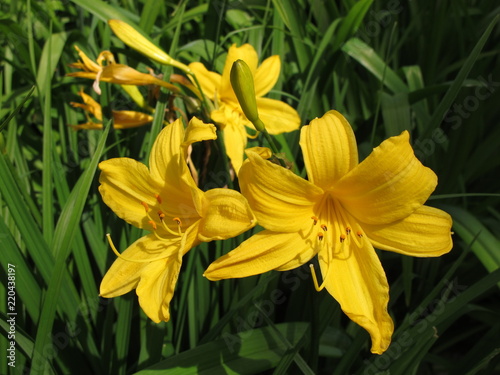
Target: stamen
{"points": [[359, 234], [177, 220], [348, 230], [158, 198], [161, 215], [146, 207], [148, 260], [315, 218], [323, 226], [153, 224], [318, 287], [320, 236], [342, 238]]}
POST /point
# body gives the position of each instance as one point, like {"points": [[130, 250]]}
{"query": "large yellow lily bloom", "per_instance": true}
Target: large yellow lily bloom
{"points": [[343, 212], [121, 119], [278, 117], [165, 200]]}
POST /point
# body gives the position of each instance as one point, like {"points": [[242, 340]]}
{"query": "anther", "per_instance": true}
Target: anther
{"points": [[177, 220], [146, 207], [342, 238], [348, 230], [153, 224], [158, 198], [161, 215], [315, 219], [359, 233], [323, 226], [320, 236]]}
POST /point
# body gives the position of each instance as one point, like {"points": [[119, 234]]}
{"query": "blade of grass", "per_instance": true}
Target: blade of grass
{"points": [[61, 245], [454, 89]]}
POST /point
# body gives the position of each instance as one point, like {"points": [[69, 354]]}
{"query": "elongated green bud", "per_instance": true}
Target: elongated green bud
{"points": [[243, 86]]}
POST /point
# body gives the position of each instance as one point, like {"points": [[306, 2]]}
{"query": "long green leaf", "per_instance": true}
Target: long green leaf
{"points": [[64, 233], [249, 352]]}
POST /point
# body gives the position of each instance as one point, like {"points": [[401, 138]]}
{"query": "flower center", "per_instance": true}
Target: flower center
{"points": [[332, 236], [159, 223]]}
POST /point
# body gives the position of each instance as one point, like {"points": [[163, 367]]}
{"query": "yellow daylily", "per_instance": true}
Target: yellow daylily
{"points": [[277, 116], [113, 72], [341, 213], [121, 119], [165, 200]]}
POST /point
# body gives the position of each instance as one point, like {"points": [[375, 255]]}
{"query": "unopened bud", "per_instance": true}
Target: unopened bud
{"points": [[243, 87], [132, 38]]}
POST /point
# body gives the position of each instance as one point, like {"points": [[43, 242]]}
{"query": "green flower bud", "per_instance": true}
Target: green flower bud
{"points": [[243, 87]]}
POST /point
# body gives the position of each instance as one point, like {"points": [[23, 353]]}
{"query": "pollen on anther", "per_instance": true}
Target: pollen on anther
{"points": [[153, 224], [177, 220], [320, 236], [158, 198], [315, 218], [161, 215], [145, 205], [359, 233], [323, 226], [342, 237], [348, 230]]}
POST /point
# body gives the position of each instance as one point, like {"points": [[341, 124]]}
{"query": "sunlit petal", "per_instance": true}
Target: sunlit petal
{"points": [[278, 117], [262, 252], [125, 183], [123, 275], [425, 233], [267, 75], [235, 140], [357, 281], [209, 81], [227, 215], [281, 200], [329, 149], [388, 185]]}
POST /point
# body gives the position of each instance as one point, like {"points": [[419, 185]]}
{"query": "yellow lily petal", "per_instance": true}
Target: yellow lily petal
{"points": [[235, 140], [329, 148], [92, 106], [123, 275], [281, 200], [125, 75], [130, 119], [388, 185], [198, 131], [125, 183], [227, 215], [168, 168], [209, 81], [267, 75], [425, 233], [278, 117], [262, 252], [131, 37], [358, 282], [156, 288], [86, 75], [246, 53], [88, 64]]}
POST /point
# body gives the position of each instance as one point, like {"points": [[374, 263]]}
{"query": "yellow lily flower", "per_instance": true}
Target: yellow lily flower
{"points": [[343, 212], [121, 119], [277, 116], [165, 200], [113, 72]]}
